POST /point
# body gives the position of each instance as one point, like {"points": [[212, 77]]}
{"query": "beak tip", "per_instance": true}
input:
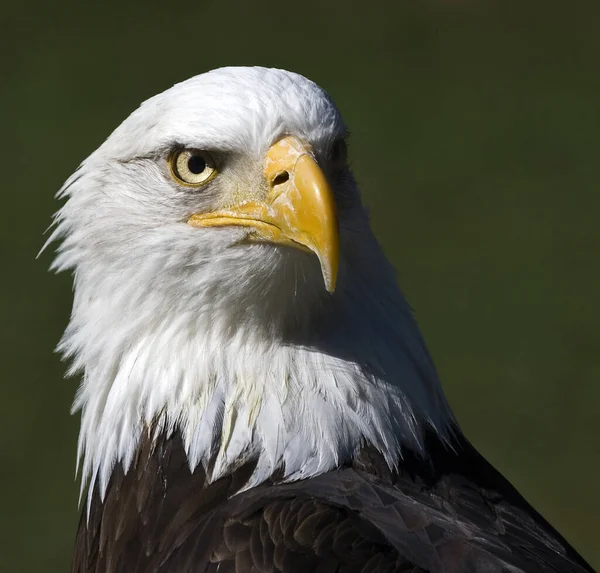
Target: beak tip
{"points": [[329, 278], [330, 284]]}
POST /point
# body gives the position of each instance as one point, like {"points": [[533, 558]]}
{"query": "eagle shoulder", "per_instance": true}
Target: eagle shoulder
{"points": [[161, 517]]}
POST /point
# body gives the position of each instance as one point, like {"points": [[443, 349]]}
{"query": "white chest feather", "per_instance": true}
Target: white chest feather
{"points": [[299, 408]]}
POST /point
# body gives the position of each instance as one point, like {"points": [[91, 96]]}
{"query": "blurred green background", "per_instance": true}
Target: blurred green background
{"points": [[476, 141]]}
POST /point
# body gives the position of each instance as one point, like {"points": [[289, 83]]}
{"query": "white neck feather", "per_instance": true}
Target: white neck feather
{"points": [[300, 406]]}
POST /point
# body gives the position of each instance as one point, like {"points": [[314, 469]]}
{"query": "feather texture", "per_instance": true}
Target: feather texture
{"points": [[451, 513]]}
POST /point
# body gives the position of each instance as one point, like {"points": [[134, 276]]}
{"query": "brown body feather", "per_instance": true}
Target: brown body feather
{"points": [[454, 513]]}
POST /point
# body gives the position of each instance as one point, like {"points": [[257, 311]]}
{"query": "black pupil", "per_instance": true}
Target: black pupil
{"points": [[196, 164]]}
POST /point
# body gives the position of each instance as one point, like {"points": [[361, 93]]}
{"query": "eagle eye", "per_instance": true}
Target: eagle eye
{"points": [[192, 167]]}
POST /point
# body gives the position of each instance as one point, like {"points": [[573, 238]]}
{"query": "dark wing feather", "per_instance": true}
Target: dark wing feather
{"points": [[160, 517]]}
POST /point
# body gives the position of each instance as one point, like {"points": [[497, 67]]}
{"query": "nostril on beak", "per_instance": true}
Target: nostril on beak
{"points": [[280, 178]]}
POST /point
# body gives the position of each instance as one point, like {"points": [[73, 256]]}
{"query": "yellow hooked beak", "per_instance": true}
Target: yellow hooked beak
{"points": [[299, 209]]}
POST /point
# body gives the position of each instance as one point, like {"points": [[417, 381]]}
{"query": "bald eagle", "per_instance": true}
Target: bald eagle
{"points": [[256, 395]]}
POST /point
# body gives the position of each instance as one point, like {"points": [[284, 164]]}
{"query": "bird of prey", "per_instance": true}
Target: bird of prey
{"points": [[256, 395]]}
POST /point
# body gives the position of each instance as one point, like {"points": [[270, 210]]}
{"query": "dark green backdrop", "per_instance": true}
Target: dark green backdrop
{"points": [[476, 140]]}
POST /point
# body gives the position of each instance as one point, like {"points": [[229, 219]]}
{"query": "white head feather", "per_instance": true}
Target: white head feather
{"points": [[239, 346]]}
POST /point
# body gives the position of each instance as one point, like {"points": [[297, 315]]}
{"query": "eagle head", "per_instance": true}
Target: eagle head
{"points": [[228, 285]]}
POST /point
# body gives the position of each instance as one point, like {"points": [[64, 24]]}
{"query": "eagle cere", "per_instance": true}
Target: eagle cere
{"points": [[256, 395]]}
